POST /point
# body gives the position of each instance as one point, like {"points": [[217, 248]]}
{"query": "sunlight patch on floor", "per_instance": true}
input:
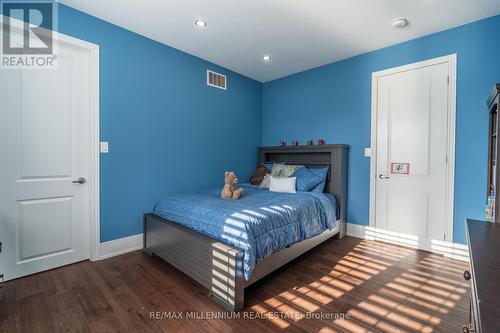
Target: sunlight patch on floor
{"points": [[407, 300]]}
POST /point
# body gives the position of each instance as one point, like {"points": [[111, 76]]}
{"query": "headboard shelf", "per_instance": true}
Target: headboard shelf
{"points": [[306, 148], [334, 156]]}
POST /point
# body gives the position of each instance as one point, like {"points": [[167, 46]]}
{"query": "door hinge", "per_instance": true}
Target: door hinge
{"points": [[444, 238], [446, 158], [448, 79]]}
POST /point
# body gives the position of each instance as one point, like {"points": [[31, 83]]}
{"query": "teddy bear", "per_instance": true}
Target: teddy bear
{"points": [[229, 191]]}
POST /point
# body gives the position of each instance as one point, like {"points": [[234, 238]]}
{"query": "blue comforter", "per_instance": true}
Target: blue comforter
{"points": [[260, 223]]}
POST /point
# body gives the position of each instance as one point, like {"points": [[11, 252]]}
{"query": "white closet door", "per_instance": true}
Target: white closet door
{"points": [[411, 168], [45, 146]]}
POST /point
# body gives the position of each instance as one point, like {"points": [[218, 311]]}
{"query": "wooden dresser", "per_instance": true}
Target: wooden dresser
{"points": [[484, 251]]}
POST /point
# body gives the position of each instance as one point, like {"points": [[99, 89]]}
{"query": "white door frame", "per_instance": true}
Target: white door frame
{"points": [[451, 60], [94, 157], [94, 135]]}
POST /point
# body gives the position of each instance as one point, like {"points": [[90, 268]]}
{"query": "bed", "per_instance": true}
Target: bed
{"points": [[228, 245]]}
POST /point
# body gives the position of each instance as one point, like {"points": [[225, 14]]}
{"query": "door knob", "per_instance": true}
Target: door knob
{"points": [[381, 176], [80, 180]]}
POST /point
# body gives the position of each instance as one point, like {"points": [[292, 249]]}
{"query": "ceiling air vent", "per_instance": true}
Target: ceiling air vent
{"points": [[216, 80]]}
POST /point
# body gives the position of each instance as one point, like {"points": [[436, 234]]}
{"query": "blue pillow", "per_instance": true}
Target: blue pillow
{"points": [[306, 180], [321, 172], [320, 188]]}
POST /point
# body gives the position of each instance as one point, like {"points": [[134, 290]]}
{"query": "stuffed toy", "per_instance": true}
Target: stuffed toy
{"points": [[229, 191], [259, 174]]}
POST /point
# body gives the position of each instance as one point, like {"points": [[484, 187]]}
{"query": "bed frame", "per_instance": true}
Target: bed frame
{"points": [[218, 266]]}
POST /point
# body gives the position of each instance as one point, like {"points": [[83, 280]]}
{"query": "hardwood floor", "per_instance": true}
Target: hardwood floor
{"points": [[378, 287]]}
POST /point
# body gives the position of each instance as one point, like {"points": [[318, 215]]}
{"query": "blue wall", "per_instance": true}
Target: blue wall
{"points": [[334, 102], [167, 130]]}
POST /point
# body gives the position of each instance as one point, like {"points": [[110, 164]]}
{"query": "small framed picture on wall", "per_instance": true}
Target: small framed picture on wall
{"points": [[400, 168]]}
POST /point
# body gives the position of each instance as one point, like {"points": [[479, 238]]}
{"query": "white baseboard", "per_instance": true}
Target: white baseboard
{"points": [[452, 250], [120, 246], [358, 231]]}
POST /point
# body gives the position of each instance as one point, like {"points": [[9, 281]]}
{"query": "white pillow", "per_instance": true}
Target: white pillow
{"points": [[285, 185]]}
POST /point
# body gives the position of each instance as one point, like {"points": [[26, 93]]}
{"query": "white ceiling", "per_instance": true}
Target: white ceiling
{"points": [[297, 34]]}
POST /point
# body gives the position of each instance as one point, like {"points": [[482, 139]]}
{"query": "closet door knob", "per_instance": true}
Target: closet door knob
{"points": [[80, 180]]}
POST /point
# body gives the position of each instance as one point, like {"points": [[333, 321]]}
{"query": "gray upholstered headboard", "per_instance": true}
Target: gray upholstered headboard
{"points": [[333, 156]]}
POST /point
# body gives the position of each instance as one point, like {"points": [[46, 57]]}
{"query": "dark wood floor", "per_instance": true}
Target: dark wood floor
{"points": [[381, 287]]}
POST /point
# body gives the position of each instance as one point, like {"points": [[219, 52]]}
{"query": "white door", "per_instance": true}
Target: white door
{"points": [[411, 176], [45, 146]]}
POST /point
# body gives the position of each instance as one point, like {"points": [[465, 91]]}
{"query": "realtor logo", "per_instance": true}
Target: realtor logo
{"points": [[27, 34]]}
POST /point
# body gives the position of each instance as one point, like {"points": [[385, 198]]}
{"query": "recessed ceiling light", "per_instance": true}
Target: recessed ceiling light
{"points": [[200, 23], [400, 23], [266, 58]]}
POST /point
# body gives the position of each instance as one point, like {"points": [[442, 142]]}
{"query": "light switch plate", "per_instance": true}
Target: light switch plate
{"points": [[104, 147], [368, 152]]}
